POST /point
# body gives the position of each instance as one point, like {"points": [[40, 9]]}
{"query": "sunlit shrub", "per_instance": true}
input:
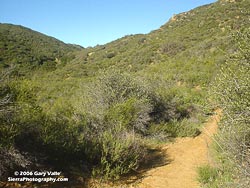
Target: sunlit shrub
{"points": [[132, 114], [121, 153], [232, 91]]}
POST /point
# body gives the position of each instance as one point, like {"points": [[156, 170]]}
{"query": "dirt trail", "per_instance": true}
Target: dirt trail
{"points": [[185, 155]]}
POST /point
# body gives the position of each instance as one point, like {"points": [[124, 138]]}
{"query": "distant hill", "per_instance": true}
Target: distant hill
{"points": [[24, 47]]}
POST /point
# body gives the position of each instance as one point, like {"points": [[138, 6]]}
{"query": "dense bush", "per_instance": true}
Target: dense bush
{"points": [[132, 114], [232, 91], [10, 159], [7, 129], [116, 112], [121, 153], [207, 174], [172, 49], [117, 97]]}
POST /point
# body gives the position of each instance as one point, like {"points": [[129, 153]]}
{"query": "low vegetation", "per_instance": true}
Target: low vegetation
{"points": [[232, 93], [207, 174]]}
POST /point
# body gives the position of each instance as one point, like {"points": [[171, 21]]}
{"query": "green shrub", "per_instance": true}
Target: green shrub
{"points": [[187, 127], [177, 103], [132, 114], [232, 92], [117, 87], [60, 134], [117, 97], [8, 110], [110, 55], [121, 153], [207, 174], [173, 48], [174, 128], [8, 133]]}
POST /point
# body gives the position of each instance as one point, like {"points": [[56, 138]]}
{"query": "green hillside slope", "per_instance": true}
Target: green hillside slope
{"points": [[21, 46], [199, 35]]}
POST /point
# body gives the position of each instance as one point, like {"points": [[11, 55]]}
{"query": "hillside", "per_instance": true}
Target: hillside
{"points": [[197, 36], [24, 47], [102, 112]]}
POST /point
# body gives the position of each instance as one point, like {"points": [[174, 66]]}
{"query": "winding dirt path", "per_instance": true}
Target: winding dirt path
{"points": [[185, 155]]}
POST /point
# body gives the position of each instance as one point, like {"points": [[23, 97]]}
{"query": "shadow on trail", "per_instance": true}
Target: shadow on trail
{"points": [[156, 158]]}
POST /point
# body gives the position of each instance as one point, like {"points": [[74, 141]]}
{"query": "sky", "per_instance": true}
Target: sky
{"points": [[92, 22]]}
